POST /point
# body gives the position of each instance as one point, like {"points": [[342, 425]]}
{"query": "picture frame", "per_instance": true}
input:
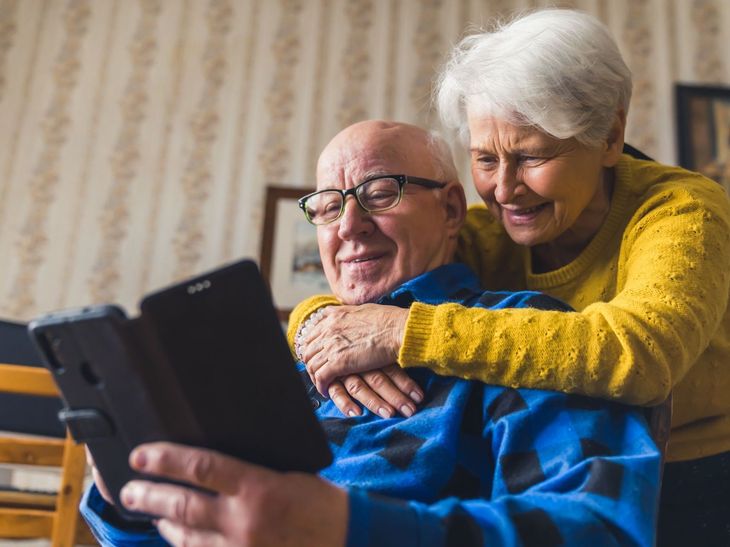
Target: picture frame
{"points": [[703, 124], [289, 253]]}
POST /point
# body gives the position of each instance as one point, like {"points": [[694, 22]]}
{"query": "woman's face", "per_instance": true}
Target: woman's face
{"points": [[539, 187]]}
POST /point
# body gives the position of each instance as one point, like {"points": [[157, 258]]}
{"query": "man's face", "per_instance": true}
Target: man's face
{"points": [[366, 255]]}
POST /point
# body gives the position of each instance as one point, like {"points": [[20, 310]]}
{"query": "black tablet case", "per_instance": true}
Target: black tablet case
{"points": [[205, 364]]}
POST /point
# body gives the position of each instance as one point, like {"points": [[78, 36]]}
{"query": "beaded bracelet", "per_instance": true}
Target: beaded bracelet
{"points": [[303, 328]]}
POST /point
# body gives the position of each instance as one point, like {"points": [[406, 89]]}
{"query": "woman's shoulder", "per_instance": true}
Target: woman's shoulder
{"points": [[652, 187], [650, 179], [481, 229]]}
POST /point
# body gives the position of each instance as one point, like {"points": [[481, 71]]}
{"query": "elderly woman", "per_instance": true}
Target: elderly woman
{"points": [[640, 250]]}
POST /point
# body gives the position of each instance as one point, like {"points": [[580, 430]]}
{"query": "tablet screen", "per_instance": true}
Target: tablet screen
{"points": [[223, 341]]}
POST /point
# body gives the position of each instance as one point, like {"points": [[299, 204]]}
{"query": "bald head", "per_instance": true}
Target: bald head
{"points": [[366, 255], [391, 141]]}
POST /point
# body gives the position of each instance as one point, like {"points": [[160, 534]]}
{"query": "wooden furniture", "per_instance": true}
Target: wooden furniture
{"points": [[41, 515]]}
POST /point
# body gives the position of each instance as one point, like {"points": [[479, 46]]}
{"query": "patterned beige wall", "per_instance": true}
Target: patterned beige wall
{"points": [[137, 136]]}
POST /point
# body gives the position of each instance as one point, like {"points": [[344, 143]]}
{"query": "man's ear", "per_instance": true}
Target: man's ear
{"points": [[615, 141], [455, 205]]}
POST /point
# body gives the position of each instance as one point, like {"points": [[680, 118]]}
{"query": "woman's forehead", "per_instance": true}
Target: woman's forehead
{"points": [[486, 131]]}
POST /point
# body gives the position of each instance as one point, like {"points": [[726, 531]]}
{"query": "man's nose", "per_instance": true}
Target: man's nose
{"points": [[354, 220], [508, 183]]}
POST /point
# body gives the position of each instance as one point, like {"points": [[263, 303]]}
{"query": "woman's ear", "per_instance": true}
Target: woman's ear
{"points": [[615, 139], [455, 207]]}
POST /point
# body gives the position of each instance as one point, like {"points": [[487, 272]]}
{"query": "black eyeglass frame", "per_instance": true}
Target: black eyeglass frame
{"points": [[401, 179]]}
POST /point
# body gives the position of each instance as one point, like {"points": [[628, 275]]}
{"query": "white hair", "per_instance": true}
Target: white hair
{"points": [[441, 157], [555, 69]]}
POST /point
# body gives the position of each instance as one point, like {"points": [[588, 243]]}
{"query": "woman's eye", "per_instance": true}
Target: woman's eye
{"points": [[486, 161], [532, 160]]}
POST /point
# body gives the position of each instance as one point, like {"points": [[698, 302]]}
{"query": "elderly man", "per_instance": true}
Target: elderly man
{"points": [[478, 465]]}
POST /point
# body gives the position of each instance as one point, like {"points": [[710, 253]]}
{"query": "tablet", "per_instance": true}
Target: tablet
{"points": [[204, 364]]}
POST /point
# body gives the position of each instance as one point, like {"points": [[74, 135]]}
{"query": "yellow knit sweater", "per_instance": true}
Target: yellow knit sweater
{"points": [[651, 290]]}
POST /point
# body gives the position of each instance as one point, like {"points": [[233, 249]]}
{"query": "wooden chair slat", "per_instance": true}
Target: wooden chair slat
{"points": [[31, 451], [30, 500], [27, 380], [25, 523]]}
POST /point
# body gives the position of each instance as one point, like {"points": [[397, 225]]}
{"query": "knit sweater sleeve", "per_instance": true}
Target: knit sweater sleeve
{"points": [[671, 295], [111, 530]]}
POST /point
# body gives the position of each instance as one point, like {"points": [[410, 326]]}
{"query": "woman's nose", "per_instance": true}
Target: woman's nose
{"points": [[507, 184]]}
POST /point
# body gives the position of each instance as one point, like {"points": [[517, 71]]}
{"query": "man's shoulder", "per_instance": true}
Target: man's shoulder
{"points": [[457, 283], [516, 299]]}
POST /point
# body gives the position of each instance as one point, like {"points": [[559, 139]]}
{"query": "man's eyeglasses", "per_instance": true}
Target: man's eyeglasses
{"points": [[373, 195]]}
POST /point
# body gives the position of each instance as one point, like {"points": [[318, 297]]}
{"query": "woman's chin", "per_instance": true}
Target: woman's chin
{"points": [[525, 239]]}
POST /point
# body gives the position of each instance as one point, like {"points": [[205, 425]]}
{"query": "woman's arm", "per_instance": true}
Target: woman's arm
{"points": [[672, 295]]}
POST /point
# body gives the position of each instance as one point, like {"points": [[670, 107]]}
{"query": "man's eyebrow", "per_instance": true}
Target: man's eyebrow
{"points": [[367, 176], [378, 173]]}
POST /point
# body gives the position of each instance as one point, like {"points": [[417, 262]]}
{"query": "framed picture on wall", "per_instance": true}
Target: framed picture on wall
{"points": [[703, 122], [289, 253]]}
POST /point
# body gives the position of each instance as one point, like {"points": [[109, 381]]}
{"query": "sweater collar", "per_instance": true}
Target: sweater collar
{"points": [[444, 284]]}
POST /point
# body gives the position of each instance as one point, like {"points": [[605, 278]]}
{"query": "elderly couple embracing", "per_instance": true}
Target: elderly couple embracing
{"points": [[476, 366]]}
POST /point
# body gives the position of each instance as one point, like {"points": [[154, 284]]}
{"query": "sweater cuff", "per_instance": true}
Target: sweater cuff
{"points": [[389, 522], [418, 331], [111, 529]]}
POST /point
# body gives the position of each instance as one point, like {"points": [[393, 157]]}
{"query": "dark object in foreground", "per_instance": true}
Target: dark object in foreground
{"points": [[205, 364]]}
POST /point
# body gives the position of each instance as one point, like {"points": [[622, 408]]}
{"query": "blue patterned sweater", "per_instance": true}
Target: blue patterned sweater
{"points": [[480, 464]]}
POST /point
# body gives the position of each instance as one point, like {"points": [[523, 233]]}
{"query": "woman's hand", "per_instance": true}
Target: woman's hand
{"points": [[384, 392], [348, 340]]}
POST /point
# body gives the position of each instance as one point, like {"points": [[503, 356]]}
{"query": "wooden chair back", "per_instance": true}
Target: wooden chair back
{"points": [[41, 515]]}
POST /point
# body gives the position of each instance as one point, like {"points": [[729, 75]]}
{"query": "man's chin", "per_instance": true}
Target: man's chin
{"points": [[355, 294], [356, 300]]}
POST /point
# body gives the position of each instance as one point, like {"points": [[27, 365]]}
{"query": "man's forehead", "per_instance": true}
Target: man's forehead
{"points": [[348, 165]]}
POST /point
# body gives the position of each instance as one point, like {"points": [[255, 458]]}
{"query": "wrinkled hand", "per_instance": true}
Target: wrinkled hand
{"points": [[383, 392], [249, 505], [351, 340]]}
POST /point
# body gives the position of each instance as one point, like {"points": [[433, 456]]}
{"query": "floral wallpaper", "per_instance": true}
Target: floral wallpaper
{"points": [[137, 137]]}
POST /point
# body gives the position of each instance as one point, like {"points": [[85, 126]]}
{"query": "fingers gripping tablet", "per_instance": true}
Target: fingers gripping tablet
{"points": [[205, 364]]}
